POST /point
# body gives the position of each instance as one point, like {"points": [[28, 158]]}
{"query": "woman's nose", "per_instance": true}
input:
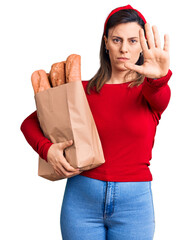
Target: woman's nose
{"points": [[124, 47]]}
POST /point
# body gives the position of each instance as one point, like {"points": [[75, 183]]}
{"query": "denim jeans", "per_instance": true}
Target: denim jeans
{"points": [[101, 210]]}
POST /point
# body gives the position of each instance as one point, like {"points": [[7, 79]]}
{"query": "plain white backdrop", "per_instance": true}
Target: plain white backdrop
{"points": [[34, 35]]}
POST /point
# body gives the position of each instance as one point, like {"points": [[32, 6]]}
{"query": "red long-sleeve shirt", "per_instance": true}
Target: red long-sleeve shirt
{"points": [[126, 120]]}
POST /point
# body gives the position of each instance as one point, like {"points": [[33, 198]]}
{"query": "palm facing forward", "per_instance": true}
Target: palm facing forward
{"points": [[156, 60]]}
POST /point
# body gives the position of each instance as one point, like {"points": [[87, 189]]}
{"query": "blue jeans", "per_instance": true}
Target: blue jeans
{"points": [[98, 210]]}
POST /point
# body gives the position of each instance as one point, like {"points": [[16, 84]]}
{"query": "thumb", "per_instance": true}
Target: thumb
{"points": [[66, 144], [134, 67]]}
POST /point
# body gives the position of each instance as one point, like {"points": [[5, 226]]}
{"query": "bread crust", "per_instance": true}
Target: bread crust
{"points": [[73, 68], [60, 73], [57, 74], [40, 81]]}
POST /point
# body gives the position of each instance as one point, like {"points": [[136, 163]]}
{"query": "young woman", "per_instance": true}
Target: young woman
{"points": [[127, 96]]}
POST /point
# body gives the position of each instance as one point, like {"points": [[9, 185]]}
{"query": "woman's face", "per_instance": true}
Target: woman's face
{"points": [[123, 42]]}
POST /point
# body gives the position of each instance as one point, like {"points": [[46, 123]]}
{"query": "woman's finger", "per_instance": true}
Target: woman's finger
{"points": [[156, 37], [64, 171], [143, 41], [67, 165], [166, 43], [149, 36], [74, 174], [59, 173], [134, 67]]}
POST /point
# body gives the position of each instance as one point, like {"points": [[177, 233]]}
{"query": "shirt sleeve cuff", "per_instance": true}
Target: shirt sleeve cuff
{"points": [[159, 82], [43, 153]]}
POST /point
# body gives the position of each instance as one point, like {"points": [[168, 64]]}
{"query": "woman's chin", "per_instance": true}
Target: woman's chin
{"points": [[122, 68]]}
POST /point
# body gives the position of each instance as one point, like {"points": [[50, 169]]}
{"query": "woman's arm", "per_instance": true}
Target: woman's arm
{"points": [[31, 130], [157, 93]]}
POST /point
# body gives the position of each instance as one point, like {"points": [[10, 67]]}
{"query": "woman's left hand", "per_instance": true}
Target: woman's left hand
{"points": [[156, 60]]}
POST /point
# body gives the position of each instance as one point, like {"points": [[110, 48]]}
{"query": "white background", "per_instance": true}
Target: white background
{"points": [[34, 35]]}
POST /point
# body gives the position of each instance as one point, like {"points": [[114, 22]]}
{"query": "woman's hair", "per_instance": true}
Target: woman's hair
{"points": [[104, 72]]}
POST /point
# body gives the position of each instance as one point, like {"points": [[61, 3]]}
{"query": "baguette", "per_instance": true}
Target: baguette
{"points": [[73, 68], [60, 73], [40, 81], [57, 74]]}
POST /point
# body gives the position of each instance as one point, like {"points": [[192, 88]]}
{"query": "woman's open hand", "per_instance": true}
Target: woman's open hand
{"points": [[57, 160], [156, 60]]}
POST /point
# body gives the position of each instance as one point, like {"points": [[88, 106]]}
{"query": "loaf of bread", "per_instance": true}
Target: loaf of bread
{"points": [[60, 73], [73, 68], [57, 74], [40, 81]]}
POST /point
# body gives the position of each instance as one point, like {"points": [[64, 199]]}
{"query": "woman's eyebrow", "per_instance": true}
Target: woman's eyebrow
{"points": [[128, 38]]}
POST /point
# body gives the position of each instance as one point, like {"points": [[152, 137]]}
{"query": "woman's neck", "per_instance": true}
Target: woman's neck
{"points": [[119, 77]]}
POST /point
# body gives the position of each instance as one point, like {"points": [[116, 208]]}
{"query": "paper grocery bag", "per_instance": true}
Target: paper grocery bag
{"points": [[64, 114]]}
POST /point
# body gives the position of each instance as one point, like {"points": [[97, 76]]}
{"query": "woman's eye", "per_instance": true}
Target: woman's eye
{"points": [[133, 41], [116, 40]]}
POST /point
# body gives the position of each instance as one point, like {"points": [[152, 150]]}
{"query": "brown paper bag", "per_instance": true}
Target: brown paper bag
{"points": [[64, 114]]}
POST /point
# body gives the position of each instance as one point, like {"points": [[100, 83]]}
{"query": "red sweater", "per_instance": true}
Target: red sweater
{"points": [[126, 120]]}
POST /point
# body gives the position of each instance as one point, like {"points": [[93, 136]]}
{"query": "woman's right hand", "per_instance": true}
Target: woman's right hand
{"points": [[57, 160]]}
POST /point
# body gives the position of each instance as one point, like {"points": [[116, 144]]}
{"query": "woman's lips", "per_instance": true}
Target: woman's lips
{"points": [[123, 59]]}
